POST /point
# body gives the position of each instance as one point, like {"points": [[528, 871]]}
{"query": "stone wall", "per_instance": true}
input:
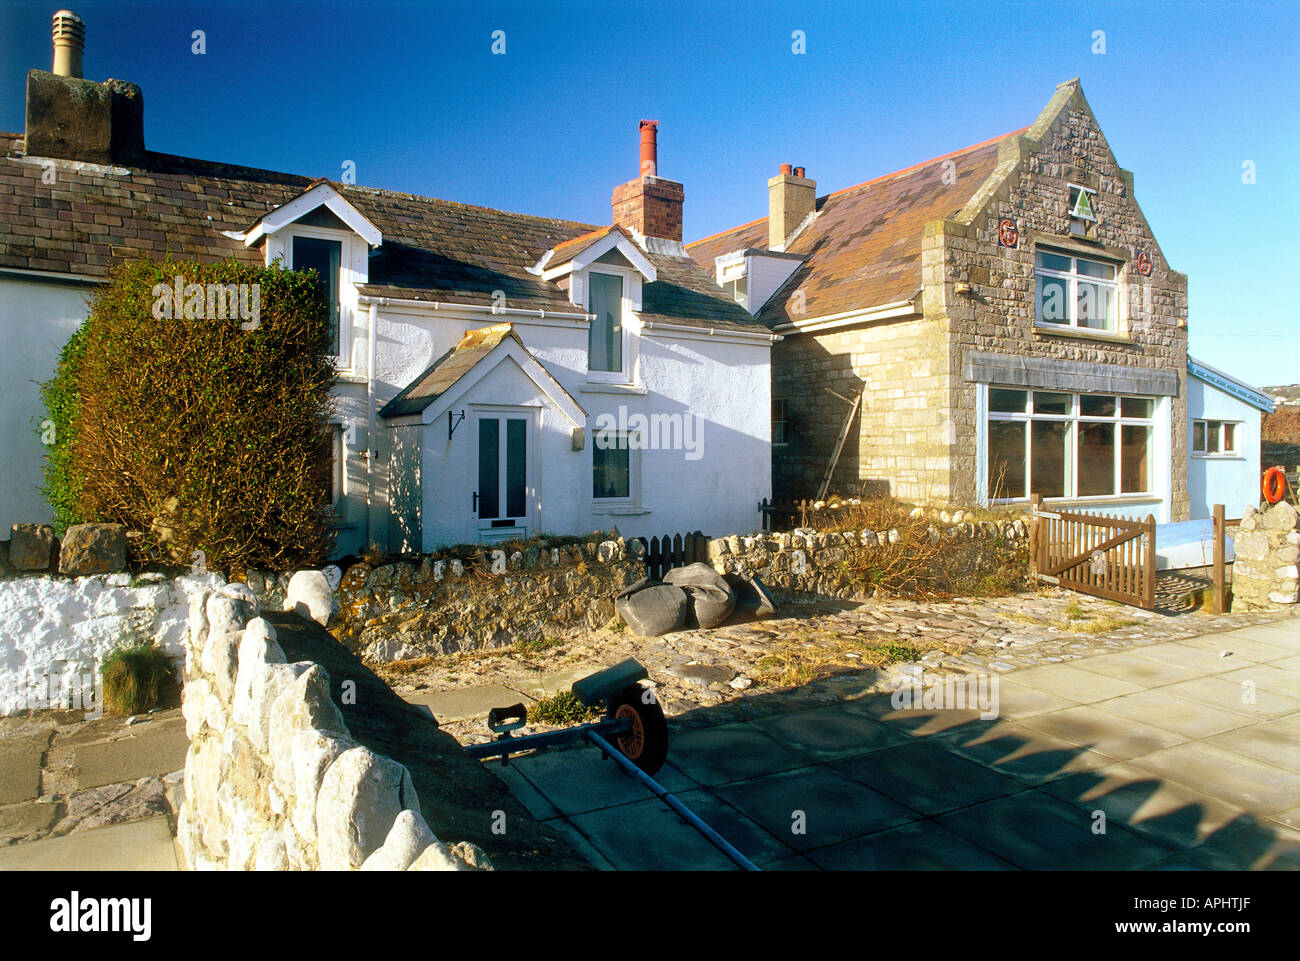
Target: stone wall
{"points": [[273, 779], [459, 600], [54, 627], [1265, 575], [827, 563]]}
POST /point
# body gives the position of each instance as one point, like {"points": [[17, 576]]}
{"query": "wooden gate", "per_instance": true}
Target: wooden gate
{"points": [[1110, 557]]}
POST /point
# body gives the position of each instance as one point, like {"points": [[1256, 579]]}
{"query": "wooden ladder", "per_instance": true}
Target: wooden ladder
{"points": [[854, 404]]}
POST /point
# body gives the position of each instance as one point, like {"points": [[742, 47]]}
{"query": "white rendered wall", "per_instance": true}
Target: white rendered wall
{"points": [[1231, 480], [726, 383], [36, 320]]}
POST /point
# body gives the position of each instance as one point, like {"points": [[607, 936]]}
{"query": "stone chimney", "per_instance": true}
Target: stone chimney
{"points": [[791, 197], [71, 118], [650, 204]]}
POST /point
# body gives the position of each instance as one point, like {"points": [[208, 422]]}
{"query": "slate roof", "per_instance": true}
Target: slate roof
{"points": [[93, 218], [863, 249]]}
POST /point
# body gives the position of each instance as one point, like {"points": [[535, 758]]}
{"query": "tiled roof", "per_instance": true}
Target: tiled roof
{"points": [[93, 218], [863, 249], [442, 374]]}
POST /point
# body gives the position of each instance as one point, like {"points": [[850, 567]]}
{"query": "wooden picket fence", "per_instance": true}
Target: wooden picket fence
{"points": [[677, 550], [1105, 556]]}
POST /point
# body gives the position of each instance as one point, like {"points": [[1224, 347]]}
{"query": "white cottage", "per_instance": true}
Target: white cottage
{"points": [[1223, 443], [500, 374]]}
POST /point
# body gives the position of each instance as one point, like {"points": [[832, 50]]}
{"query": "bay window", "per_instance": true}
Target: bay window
{"points": [[1066, 444]]}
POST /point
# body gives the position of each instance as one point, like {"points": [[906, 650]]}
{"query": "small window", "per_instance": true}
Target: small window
{"points": [[780, 422], [611, 466], [1075, 292], [605, 337], [1210, 437], [324, 257]]}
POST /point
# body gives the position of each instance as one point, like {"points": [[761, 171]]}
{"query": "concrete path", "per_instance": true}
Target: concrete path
{"points": [[1171, 756]]}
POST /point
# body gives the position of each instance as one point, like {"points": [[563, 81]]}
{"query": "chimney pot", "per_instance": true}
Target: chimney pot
{"points": [[785, 170], [649, 148], [798, 171], [69, 43]]}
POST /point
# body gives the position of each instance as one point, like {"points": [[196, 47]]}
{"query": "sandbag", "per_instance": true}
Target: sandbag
{"points": [[752, 596], [711, 597], [651, 609]]}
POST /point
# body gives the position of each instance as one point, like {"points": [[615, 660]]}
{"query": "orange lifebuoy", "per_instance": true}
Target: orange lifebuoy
{"points": [[1274, 485]]}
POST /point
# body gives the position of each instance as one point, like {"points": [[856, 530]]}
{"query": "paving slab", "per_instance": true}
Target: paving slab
{"points": [[1025, 754], [922, 846], [1169, 712], [814, 806], [646, 836], [1137, 670], [1195, 658], [579, 780], [1170, 813], [1016, 701], [1256, 787], [1280, 633], [1037, 832], [20, 768], [134, 846], [927, 778], [1245, 643], [468, 703], [1250, 845], [1114, 736], [1251, 692], [1071, 682], [153, 748], [757, 843], [731, 752], [27, 818], [830, 732]]}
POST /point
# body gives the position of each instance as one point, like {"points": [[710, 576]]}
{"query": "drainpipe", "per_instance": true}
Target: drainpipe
{"points": [[372, 449]]}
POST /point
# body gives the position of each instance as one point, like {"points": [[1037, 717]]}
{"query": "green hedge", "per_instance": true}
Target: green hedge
{"points": [[198, 432]]}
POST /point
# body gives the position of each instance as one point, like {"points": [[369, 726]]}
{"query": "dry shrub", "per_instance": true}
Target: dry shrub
{"points": [[133, 678], [199, 434]]}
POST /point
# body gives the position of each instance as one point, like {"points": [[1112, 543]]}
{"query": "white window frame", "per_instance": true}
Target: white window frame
{"points": [[1222, 453], [1072, 277], [1073, 419], [339, 470], [629, 306], [354, 258], [602, 505]]}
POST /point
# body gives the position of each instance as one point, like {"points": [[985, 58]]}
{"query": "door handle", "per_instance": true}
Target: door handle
{"points": [[474, 502]]}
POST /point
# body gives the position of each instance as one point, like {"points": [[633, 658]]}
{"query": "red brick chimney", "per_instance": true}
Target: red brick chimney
{"points": [[650, 204]]}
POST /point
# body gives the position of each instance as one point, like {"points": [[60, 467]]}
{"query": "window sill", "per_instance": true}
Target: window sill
{"points": [[625, 511], [610, 387], [1105, 500], [1198, 456], [1081, 332]]}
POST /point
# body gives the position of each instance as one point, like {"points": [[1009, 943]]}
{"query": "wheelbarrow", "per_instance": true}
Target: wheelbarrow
{"points": [[633, 733]]}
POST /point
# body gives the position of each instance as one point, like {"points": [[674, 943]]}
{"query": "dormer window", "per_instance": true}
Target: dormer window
{"points": [[324, 257], [605, 338], [734, 279]]}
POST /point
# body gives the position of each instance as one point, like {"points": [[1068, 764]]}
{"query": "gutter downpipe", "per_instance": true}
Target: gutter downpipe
{"points": [[372, 450]]}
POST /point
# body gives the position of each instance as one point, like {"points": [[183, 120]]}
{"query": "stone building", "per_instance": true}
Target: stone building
{"points": [[1005, 312]]}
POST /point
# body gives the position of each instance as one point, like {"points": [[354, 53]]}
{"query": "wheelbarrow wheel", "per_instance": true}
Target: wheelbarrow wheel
{"points": [[646, 744]]}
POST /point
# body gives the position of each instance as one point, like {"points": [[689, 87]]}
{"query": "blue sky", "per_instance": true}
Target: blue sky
{"points": [[1186, 92]]}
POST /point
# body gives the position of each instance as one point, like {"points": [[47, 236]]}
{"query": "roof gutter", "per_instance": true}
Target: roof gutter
{"points": [[577, 317], [723, 332], [899, 308]]}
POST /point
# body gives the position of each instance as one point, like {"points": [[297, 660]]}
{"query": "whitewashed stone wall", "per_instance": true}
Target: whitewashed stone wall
{"points": [[273, 778], [52, 626]]}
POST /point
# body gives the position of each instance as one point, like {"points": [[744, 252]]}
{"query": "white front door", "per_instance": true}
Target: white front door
{"points": [[503, 499]]}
